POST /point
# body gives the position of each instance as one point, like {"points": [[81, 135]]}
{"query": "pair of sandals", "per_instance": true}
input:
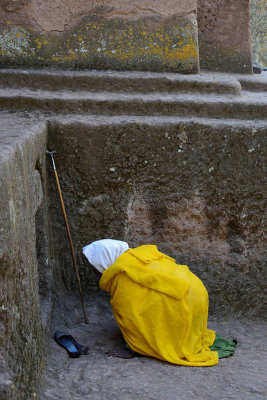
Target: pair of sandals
{"points": [[73, 348]]}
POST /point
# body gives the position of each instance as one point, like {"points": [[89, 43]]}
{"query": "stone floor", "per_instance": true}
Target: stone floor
{"points": [[98, 377]]}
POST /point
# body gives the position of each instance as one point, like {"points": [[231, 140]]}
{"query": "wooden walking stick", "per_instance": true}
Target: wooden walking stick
{"points": [[69, 237]]}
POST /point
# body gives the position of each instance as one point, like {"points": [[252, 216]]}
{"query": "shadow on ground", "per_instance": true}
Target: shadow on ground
{"points": [[98, 377]]}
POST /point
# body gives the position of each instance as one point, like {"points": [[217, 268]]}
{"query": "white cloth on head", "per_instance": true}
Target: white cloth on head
{"points": [[103, 253]]}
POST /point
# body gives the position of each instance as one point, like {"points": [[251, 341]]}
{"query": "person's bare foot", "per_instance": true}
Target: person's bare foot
{"points": [[121, 352]]}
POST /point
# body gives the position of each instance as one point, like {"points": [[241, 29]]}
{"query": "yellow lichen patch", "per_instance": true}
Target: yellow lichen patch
{"points": [[70, 56], [181, 48], [168, 45], [228, 51], [189, 51]]}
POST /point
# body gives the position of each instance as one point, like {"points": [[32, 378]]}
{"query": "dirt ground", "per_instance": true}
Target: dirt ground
{"points": [[99, 377]]}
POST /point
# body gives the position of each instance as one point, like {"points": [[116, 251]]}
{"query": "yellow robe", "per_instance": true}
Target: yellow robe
{"points": [[161, 307]]}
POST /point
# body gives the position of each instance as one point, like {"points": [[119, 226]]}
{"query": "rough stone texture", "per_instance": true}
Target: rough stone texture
{"points": [[258, 18], [130, 35], [193, 186], [22, 195], [121, 81], [224, 35], [60, 15], [206, 95], [101, 34], [250, 105], [255, 83], [188, 187], [98, 377]]}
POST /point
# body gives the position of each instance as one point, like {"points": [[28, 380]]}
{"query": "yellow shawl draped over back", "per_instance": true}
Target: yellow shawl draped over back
{"points": [[161, 307]]}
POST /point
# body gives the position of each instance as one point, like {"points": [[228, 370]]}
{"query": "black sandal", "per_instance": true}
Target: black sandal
{"points": [[68, 342]]}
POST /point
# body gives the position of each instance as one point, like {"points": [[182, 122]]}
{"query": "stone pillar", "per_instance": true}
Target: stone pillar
{"points": [[100, 34], [258, 16], [224, 35]]}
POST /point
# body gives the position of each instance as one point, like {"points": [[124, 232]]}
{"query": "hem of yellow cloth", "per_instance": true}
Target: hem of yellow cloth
{"points": [[185, 363]]}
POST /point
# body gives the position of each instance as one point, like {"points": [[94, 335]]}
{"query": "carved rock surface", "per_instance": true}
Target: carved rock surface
{"points": [[193, 186], [59, 15], [224, 35], [258, 16], [21, 194], [138, 35]]}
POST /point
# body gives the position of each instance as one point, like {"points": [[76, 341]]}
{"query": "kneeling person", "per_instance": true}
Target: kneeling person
{"points": [[161, 307]]}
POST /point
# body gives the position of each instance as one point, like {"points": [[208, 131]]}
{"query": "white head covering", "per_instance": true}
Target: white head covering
{"points": [[103, 253]]}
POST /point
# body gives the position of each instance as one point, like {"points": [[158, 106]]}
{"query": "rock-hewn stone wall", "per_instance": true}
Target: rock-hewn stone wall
{"points": [[22, 191], [224, 35], [61, 15], [150, 35], [141, 35], [189, 188], [195, 189], [258, 15]]}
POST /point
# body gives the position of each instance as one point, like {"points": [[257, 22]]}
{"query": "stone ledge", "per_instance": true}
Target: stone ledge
{"points": [[248, 106], [150, 44], [118, 81]]}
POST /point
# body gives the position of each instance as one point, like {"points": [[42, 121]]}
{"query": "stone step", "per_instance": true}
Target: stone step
{"points": [[249, 106], [253, 83], [143, 82], [154, 122]]}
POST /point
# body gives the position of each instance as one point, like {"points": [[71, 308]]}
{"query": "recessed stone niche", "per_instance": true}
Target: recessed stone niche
{"points": [[188, 188]]}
